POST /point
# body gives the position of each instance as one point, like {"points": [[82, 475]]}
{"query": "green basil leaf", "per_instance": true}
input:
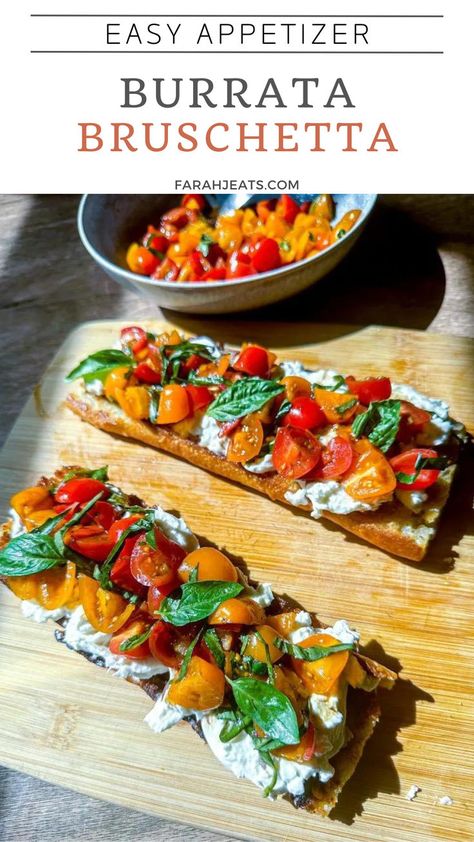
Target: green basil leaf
{"points": [[266, 743], [135, 640], [197, 601], [244, 396], [285, 245], [101, 474], [343, 407], [310, 653], [29, 553], [187, 656], [268, 660], [205, 244], [379, 423], [340, 233], [154, 392], [173, 355], [249, 664], [213, 643], [339, 385], [270, 709], [99, 365], [208, 380], [284, 408], [234, 724], [271, 762], [437, 463]]}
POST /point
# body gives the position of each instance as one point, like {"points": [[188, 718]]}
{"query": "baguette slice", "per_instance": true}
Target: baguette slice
{"points": [[393, 527], [363, 708]]}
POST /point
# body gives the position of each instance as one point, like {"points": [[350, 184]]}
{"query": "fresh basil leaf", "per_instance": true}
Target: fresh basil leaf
{"points": [[343, 407], [150, 538], [154, 393], [285, 245], [268, 660], [271, 762], [29, 553], [205, 244], [135, 640], [98, 365], [379, 423], [249, 664], [270, 709], [197, 601], [187, 656], [284, 408], [437, 463], [193, 576], [266, 743], [244, 396], [208, 380], [101, 474], [213, 643], [173, 355], [234, 724], [310, 653], [339, 385], [340, 233]]}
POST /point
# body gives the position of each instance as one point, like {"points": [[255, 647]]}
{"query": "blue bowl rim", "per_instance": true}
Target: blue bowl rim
{"points": [[282, 271]]}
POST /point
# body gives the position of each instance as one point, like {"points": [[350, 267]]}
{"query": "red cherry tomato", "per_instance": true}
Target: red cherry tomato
{"points": [[177, 217], [156, 565], [161, 641], [370, 389], [193, 201], [102, 514], [199, 396], [80, 490], [266, 255], [296, 452], [239, 265], [91, 541], [252, 360], [405, 462], [131, 629], [412, 421], [145, 374], [336, 459], [305, 413], [287, 208], [157, 243], [119, 526], [157, 594], [120, 573], [216, 253], [192, 364], [198, 263], [166, 271], [135, 337], [144, 262]]}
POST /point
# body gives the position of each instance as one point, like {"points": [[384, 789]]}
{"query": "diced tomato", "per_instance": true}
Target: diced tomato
{"points": [[266, 255], [199, 264], [145, 374], [252, 360], [264, 208], [370, 389], [229, 427], [178, 217], [102, 514], [157, 594], [135, 337], [296, 452], [156, 565], [161, 641], [405, 463], [119, 526], [287, 208], [193, 201], [305, 413], [166, 271], [412, 421], [192, 364], [217, 273], [134, 628], [157, 243], [91, 541], [120, 573], [336, 459], [239, 265], [80, 490], [199, 396], [305, 206], [140, 260], [216, 253]]}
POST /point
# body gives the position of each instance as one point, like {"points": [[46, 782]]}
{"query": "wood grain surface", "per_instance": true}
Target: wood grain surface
{"points": [[75, 725], [414, 267]]}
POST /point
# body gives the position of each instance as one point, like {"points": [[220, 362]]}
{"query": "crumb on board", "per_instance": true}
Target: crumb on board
{"points": [[445, 801], [413, 792]]}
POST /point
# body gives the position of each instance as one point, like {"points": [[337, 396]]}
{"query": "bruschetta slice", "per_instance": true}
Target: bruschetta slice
{"points": [[280, 698], [375, 457]]}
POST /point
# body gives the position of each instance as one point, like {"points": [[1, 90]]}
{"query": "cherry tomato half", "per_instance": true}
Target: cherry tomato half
{"points": [[336, 459], [141, 260], [161, 641], [252, 360], [102, 514], [405, 463], [91, 541], [412, 421], [146, 374], [80, 490], [133, 629], [266, 255], [156, 565], [157, 594], [287, 208], [121, 574], [135, 337], [199, 396], [239, 266], [296, 452], [246, 442], [371, 475], [305, 414], [166, 271], [370, 389]]}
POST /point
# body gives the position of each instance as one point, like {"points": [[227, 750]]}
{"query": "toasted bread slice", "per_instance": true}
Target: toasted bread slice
{"points": [[393, 527]]}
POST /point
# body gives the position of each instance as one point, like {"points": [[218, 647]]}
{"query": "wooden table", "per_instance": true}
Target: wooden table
{"points": [[413, 267]]}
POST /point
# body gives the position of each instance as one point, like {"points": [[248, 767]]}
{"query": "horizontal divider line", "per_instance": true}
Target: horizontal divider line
{"points": [[252, 52], [120, 15]]}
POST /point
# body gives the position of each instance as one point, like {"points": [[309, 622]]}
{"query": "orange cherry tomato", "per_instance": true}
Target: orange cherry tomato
{"points": [[132, 629], [106, 611], [247, 441], [118, 379], [255, 647], [135, 402], [296, 387], [174, 404], [213, 565], [318, 676], [243, 612], [155, 565], [140, 260], [372, 475], [201, 688], [24, 587], [55, 587], [36, 518], [330, 402], [296, 452], [304, 750], [284, 623], [31, 499]]}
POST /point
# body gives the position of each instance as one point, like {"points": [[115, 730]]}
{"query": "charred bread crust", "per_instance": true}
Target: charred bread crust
{"points": [[393, 527], [363, 708]]}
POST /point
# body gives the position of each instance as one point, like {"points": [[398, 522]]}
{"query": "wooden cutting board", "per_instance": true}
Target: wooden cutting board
{"points": [[68, 722]]}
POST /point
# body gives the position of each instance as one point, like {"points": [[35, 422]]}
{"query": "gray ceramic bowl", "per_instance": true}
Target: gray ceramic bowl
{"points": [[108, 224]]}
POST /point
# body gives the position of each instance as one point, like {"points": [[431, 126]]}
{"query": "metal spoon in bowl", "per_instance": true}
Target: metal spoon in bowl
{"points": [[227, 203]]}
